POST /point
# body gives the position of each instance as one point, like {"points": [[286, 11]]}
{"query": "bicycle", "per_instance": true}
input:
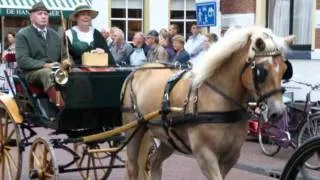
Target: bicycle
{"points": [[295, 167], [300, 122]]}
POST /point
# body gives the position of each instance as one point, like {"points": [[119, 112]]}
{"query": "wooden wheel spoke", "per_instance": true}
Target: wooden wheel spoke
{"points": [[1, 133], [36, 160], [10, 160], [81, 160], [48, 175], [94, 166], [9, 136], [5, 127], [44, 155], [100, 162], [49, 164], [8, 168], [88, 165]]}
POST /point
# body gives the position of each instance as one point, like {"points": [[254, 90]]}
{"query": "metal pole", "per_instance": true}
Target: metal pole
{"points": [[64, 28], [2, 35]]}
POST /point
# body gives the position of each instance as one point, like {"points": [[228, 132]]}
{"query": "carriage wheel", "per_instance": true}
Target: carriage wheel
{"points": [[10, 148], [295, 167], [267, 141], [310, 129], [90, 161], [42, 162]]}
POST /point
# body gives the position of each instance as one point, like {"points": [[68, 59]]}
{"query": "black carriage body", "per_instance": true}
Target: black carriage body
{"points": [[92, 100]]}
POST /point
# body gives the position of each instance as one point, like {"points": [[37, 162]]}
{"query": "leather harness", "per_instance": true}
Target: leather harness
{"points": [[195, 117]]}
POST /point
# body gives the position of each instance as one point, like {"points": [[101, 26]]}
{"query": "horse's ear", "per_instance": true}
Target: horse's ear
{"points": [[260, 44], [289, 39]]}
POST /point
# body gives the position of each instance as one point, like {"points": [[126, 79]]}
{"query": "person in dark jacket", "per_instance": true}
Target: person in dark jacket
{"points": [[182, 55], [83, 37], [38, 48]]}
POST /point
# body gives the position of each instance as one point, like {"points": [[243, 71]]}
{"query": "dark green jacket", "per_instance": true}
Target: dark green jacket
{"points": [[33, 51]]}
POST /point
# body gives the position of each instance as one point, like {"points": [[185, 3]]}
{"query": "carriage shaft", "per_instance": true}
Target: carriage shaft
{"points": [[102, 150], [125, 127]]}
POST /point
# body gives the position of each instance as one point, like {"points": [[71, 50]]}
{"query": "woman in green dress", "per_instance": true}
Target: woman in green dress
{"points": [[83, 37]]}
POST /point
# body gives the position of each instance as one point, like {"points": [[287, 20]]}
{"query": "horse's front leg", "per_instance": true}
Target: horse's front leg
{"points": [[161, 154], [208, 163]]}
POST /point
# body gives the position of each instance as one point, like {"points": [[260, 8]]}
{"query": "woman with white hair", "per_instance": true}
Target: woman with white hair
{"points": [[83, 37], [119, 48]]}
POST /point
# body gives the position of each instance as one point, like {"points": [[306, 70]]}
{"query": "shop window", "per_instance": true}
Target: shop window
{"points": [[128, 16], [183, 13], [291, 17]]}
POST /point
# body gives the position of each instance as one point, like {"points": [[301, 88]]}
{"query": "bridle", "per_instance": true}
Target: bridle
{"points": [[260, 74]]}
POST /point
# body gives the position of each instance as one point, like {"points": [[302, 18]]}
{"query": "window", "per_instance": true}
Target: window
{"points": [[183, 13], [128, 16], [291, 17]]}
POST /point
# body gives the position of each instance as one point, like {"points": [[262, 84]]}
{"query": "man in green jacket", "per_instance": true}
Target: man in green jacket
{"points": [[38, 48]]}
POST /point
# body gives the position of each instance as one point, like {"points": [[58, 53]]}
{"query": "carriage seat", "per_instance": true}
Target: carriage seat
{"points": [[34, 90]]}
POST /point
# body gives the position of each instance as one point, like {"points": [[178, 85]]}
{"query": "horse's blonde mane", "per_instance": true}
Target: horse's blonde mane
{"points": [[219, 53]]}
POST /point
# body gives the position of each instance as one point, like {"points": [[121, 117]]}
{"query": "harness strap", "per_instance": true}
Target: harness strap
{"points": [[209, 117], [271, 93], [214, 88], [204, 118], [165, 111]]}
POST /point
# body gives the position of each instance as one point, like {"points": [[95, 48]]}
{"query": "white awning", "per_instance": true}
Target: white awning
{"points": [[7, 7]]}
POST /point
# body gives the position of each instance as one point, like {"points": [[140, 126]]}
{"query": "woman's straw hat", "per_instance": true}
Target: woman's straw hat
{"points": [[80, 8]]}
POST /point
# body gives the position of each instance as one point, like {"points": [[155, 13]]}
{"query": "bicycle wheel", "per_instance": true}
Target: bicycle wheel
{"points": [[267, 140], [295, 167], [310, 129]]}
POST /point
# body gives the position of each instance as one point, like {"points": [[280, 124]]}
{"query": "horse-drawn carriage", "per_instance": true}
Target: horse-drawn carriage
{"points": [[200, 112], [92, 106]]}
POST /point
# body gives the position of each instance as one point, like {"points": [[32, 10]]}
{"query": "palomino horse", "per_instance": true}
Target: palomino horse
{"points": [[213, 125]]}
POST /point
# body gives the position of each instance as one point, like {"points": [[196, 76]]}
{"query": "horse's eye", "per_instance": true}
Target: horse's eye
{"points": [[260, 74]]}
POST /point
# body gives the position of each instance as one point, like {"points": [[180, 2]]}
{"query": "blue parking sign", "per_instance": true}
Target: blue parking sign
{"points": [[206, 13]]}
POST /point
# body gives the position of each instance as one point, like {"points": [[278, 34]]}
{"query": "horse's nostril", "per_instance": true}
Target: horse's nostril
{"points": [[275, 116]]}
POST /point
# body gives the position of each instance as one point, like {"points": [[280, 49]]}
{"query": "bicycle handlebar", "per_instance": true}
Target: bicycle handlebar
{"points": [[313, 87]]}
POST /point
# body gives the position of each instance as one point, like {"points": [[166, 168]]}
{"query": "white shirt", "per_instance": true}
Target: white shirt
{"points": [[194, 45], [82, 36], [198, 59], [41, 30]]}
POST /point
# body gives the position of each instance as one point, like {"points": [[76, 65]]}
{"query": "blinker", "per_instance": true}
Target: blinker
{"points": [[289, 71]]}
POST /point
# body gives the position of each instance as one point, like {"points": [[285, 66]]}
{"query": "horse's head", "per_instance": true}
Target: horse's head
{"points": [[264, 70]]}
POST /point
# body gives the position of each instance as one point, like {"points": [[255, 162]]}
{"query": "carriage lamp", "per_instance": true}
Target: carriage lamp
{"points": [[59, 75]]}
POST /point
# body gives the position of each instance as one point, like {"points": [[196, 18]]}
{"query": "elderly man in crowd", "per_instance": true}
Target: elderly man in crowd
{"points": [[119, 48], [156, 52], [140, 52]]}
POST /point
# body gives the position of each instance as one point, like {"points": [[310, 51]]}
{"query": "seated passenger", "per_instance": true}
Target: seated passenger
{"points": [[83, 37], [38, 48]]}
